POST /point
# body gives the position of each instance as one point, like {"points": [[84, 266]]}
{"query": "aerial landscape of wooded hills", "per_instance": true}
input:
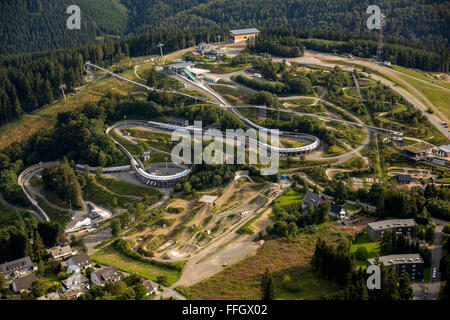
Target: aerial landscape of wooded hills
{"points": [[35, 25]]}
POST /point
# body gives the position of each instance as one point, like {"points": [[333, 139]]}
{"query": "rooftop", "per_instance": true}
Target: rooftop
{"points": [[312, 198], [202, 47], [402, 177], [398, 259], [81, 260], [107, 273], [24, 283], [16, 265], [418, 147], [445, 148], [179, 65], [74, 281], [149, 285], [335, 208], [244, 31], [60, 251], [199, 71], [394, 223]]}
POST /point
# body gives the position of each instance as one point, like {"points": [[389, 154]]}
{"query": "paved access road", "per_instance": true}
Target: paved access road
{"points": [[313, 57], [436, 253]]}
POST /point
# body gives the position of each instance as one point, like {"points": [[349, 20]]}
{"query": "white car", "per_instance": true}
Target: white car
{"points": [[434, 273]]}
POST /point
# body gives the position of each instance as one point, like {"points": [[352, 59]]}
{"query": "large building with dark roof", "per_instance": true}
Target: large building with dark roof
{"points": [[411, 263], [375, 230], [402, 178], [17, 267]]}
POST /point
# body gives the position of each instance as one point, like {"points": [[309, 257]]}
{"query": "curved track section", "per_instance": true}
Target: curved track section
{"points": [[153, 180], [285, 151], [273, 149], [24, 176], [291, 151], [231, 108]]}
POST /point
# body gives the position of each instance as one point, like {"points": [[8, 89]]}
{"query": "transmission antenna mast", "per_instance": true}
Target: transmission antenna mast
{"points": [[380, 38]]}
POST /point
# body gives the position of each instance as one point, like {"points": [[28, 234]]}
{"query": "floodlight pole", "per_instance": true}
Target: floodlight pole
{"points": [[160, 45], [62, 86]]}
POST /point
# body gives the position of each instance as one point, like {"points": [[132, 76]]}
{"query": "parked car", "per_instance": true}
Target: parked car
{"points": [[434, 273]]}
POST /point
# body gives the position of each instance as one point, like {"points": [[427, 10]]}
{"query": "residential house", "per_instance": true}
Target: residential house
{"points": [[150, 286], [59, 252], [411, 263], [72, 294], [50, 296], [375, 230], [23, 283], [311, 199], [75, 282], [81, 261], [105, 274], [17, 267], [337, 211]]}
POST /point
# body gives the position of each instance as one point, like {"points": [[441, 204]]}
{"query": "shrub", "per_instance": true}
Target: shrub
{"points": [[361, 253], [162, 280], [185, 291]]}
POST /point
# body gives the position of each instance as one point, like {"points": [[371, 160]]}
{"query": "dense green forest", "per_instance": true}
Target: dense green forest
{"points": [[29, 81], [41, 24]]}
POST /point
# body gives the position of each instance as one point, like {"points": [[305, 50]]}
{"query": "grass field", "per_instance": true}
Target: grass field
{"points": [[438, 97], [373, 248], [124, 188], [93, 192], [282, 257], [109, 256], [21, 129], [423, 75], [235, 96], [426, 274], [93, 92], [161, 141], [288, 198]]}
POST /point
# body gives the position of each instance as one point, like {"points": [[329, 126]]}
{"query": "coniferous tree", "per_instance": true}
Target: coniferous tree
{"points": [[267, 286], [404, 288], [38, 247]]}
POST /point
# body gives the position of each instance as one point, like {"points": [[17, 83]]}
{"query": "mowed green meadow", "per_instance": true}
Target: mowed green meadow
{"points": [[373, 248], [111, 257], [289, 197]]}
